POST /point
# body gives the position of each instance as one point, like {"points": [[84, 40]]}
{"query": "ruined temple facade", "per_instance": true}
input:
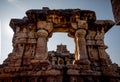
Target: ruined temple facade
{"points": [[30, 60]]}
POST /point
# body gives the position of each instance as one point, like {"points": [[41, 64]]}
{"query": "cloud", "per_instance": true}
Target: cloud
{"points": [[12, 1]]}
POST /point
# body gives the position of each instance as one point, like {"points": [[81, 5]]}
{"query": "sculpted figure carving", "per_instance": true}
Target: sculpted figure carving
{"points": [[16, 36], [20, 36], [20, 40], [29, 50], [19, 43], [31, 35], [90, 43], [24, 33], [91, 37], [101, 47], [100, 38]]}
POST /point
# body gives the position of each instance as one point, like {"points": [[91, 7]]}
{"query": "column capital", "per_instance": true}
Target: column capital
{"points": [[80, 33], [42, 33], [82, 24]]}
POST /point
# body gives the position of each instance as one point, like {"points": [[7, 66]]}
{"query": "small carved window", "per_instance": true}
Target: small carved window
{"points": [[68, 19], [61, 62]]}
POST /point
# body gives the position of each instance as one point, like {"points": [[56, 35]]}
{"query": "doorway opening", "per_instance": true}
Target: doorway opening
{"points": [[61, 49], [61, 38]]}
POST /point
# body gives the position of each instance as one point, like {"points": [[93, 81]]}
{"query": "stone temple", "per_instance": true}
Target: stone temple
{"points": [[30, 61]]}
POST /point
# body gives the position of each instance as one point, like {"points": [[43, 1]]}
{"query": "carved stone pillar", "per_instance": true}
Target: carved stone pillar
{"points": [[40, 59], [101, 47], [41, 50], [20, 38], [81, 45]]}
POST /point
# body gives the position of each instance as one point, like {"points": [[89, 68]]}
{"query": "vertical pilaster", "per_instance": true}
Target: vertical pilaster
{"points": [[19, 46], [101, 47]]}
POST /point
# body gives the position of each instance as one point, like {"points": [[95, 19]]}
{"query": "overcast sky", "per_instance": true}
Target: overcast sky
{"points": [[17, 8]]}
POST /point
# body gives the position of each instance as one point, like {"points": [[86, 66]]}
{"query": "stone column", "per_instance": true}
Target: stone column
{"points": [[41, 55], [81, 45], [40, 59], [41, 50]]}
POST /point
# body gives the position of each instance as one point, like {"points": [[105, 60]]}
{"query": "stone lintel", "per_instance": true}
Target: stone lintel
{"points": [[41, 14], [106, 24]]}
